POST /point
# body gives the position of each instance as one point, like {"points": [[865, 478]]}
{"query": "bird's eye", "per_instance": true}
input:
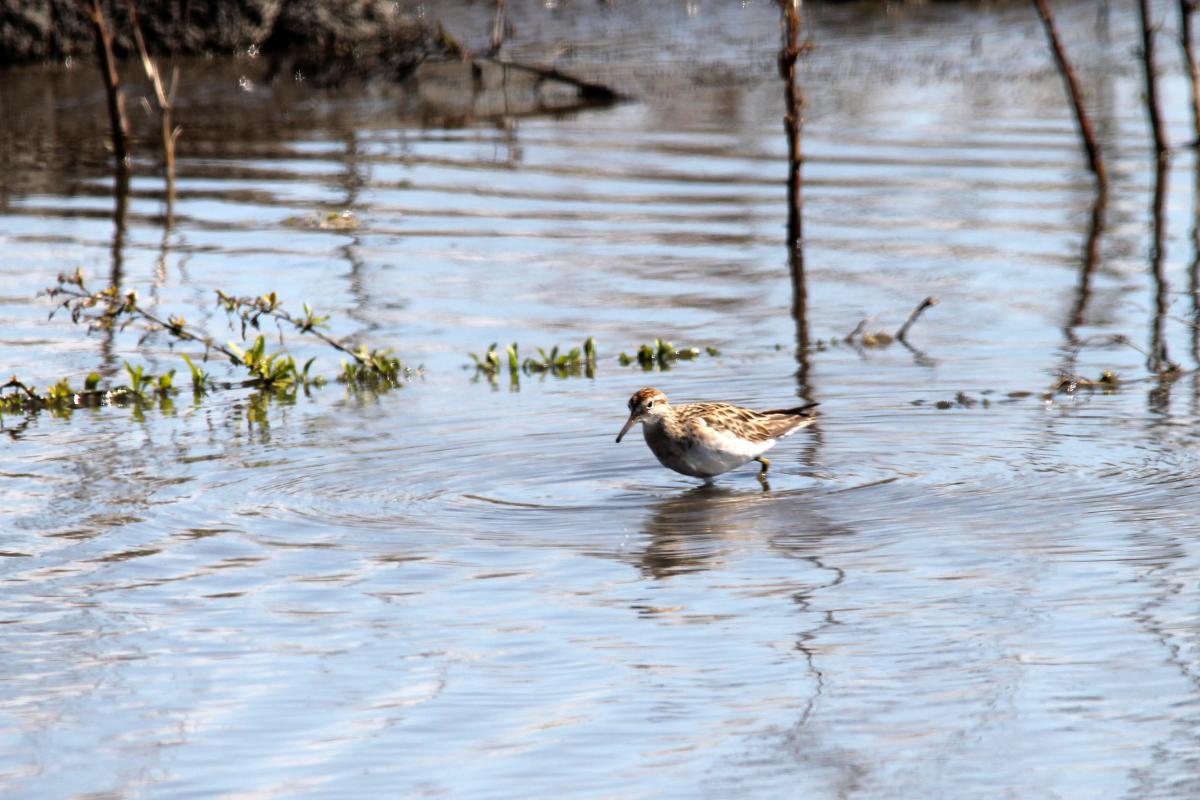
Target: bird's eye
{"points": [[649, 404]]}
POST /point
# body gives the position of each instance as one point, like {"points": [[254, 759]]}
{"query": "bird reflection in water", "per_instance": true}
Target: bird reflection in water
{"points": [[701, 528]]}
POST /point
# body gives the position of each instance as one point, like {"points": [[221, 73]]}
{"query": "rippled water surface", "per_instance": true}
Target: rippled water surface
{"points": [[958, 586]]}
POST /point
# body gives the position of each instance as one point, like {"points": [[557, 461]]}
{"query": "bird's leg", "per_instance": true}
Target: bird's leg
{"points": [[762, 475]]}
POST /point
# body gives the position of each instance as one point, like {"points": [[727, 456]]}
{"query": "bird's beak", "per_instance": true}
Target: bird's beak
{"points": [[629, 423]]}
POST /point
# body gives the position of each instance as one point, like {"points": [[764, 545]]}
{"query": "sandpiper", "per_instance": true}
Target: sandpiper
{"points": [[706, 439]]}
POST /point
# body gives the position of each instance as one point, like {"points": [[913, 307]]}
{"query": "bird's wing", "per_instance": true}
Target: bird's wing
{"points": [[704, 419], [805, 410], [783, 421]]}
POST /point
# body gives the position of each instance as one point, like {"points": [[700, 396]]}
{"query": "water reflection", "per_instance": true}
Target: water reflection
{"points": [[121, 178], [1158, 359], [699, 528], [690, 531], [1194, 265], [1088, 266]]}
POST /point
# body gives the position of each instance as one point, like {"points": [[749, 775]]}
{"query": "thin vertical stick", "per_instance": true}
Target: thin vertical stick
{"points": [[1194, 266], [1161, 147], [120, 137], [793, 120], [499, 27], [112, 87], [1091, 259], [1158, 360], [793, 124], [1186, 9], [1091, 147], [117, 274], [164, 97]]}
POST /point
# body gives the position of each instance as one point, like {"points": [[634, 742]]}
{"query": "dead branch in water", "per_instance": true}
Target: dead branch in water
{"points": [[861, 337], [928, 302], [1157, 361], [793, 120], [793, 125], [1153, 108], [1086, 132], [165, 98], [588, 91], [112, 87], [500, 27], [1186, 9]]}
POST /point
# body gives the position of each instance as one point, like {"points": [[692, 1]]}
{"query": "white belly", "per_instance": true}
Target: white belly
{"points": [[706, 461], [708, 456]]}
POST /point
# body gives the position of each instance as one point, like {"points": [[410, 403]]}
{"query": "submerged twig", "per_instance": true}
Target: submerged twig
{"points": [[588, 91], [1069, 380], [14, 383], [928, 302], [1086, 132], [883, 338], [858, 329]]}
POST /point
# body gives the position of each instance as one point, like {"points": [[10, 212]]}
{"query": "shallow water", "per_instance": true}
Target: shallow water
{"points": [[458, 589]]}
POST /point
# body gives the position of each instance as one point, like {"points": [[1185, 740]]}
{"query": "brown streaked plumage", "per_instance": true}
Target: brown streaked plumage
{"points": [[704, 440]]}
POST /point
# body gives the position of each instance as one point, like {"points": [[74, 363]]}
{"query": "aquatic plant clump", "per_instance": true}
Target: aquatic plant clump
{"points": [[661, 354], [275, 373], [578, 361]]}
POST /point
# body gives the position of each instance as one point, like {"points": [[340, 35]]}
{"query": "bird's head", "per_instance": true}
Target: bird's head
{"points": [[646, 405]]}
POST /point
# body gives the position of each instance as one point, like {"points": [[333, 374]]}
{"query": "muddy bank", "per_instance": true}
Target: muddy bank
{"points": [[321, 40]]}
